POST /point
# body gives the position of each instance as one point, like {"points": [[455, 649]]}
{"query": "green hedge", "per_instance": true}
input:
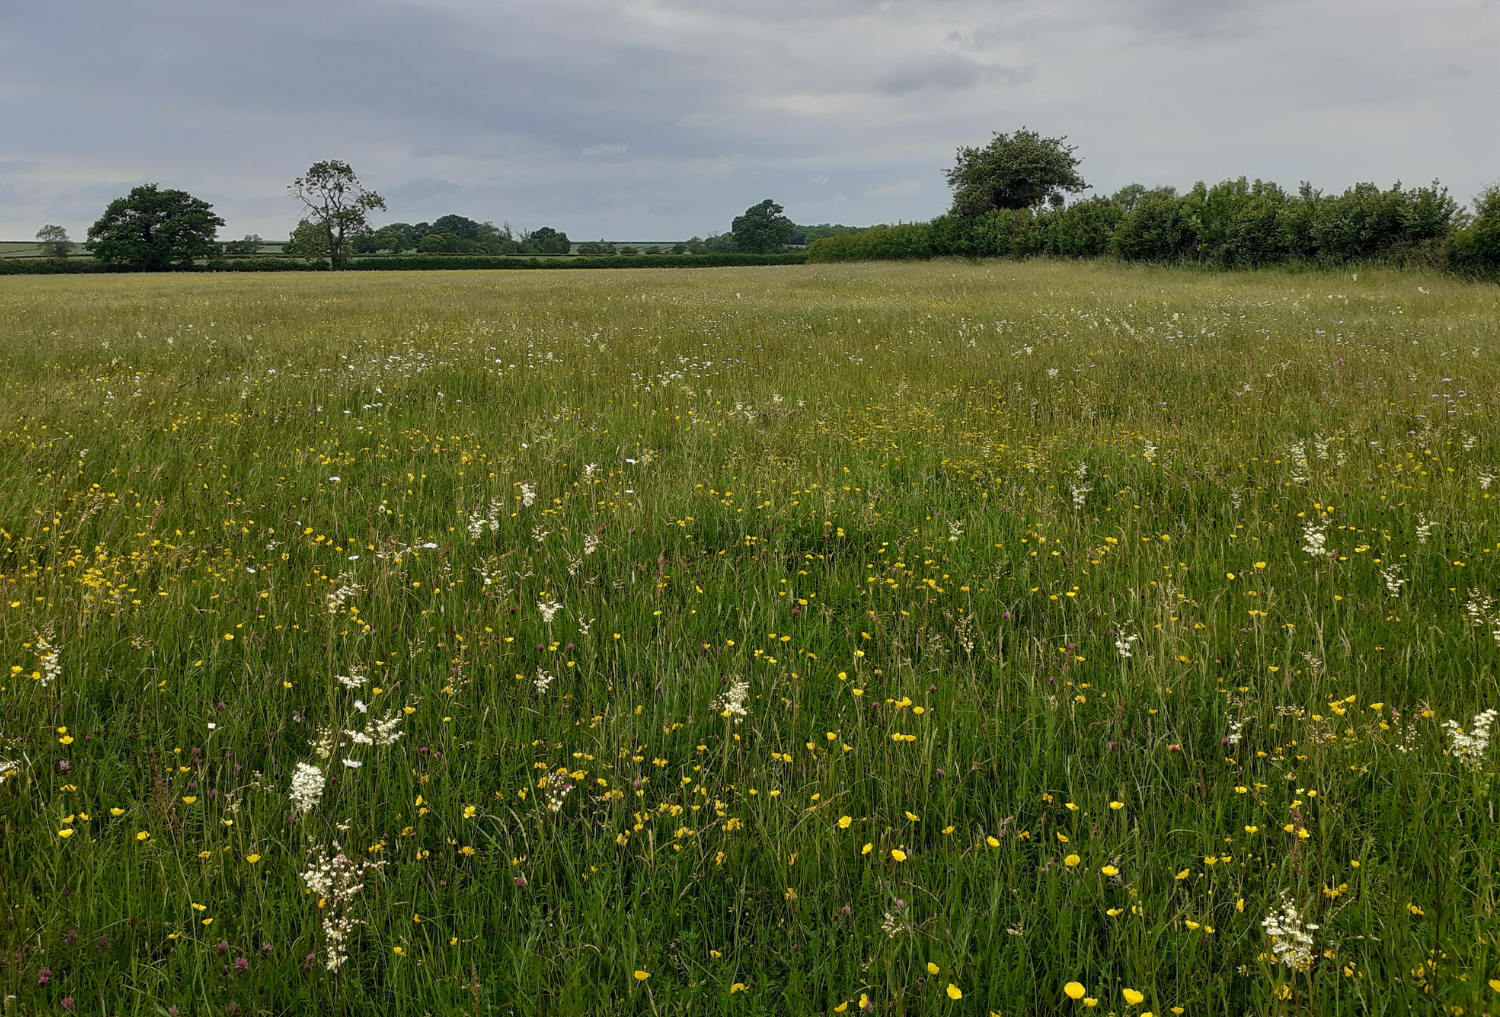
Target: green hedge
{"points": [[40, 266], [878, 243]]}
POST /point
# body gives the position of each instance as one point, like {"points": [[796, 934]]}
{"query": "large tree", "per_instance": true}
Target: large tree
{"points": [[1020, 170], [762, 228], [154, 229], [53, 240], [336, 206]]}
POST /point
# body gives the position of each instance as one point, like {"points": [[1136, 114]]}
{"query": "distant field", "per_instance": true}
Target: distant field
{"points": [[904, 638]]}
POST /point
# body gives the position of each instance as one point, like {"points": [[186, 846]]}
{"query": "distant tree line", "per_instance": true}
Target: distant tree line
{"points": [[1010, 200]]}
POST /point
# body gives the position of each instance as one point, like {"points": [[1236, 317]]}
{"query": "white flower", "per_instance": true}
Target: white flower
{"points": [[542, 680], [353, 764], [307, 787], [1471, 745], [731, 705], [1123, 643], [1314, 538], [528, 495], [549, 609], [1291, 938]]}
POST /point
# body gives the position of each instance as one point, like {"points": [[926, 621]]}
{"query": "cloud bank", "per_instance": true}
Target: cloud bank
{"points": [[659, 119]]}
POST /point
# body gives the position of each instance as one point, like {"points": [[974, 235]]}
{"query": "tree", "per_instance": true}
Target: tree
{"points": [[53, 240], [336, 204], [249, 245], [547, 240], [459, 226], [1020, 170], [762, 228], [153, 229]]}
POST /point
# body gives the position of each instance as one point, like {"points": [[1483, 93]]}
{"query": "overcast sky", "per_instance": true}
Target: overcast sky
{"points": [[660, 119]]}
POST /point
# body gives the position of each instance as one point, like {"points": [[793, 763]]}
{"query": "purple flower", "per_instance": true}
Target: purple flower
{"points": [[265, 951], [67, 1003], [44, 977], [520, 881], [70, 937], [307, 962], [241, 965], [103, 944], [221, 948]]}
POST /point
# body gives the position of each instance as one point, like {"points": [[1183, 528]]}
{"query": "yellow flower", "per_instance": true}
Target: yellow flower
{"points": [[1074, 990], [1252, 829], [1495, 984], [469, 811], [992, 842], [898, 854], [117, 812], [641, 976], [1183, 874], [954, 992], [189, 799], [143, 835], [66, 739], [1190, 924], [65, 834], [844, 822], [1117, 805], [1110, 870], [913, 817], [867, 849], [1090, 1002], [208, 921], [1062, 837], [932, 968], [1132, 997], [1071, 861], [252, 859], [736, 987]]}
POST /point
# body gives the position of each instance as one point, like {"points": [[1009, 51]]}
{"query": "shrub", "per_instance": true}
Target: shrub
{"points": [[1475, 249], [1157, 229], [900, 242]]}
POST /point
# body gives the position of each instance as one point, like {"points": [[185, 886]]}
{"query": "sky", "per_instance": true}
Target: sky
{"points": [[663, 119]]}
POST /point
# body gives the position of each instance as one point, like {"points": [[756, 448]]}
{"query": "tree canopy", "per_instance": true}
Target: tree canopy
{"points": [[54, 241], [154, 229], [762, 228], [336, 206], [1020, 170]]}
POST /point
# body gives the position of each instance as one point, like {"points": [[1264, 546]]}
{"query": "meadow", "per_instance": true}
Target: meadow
{"points": [[942, 638]]}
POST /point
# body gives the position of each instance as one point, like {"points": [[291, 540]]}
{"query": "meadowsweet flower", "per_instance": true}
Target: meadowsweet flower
{"points": [[731, 705], [549, 609], [1291, 937], [1123, 644], [528, 495], [307, 787], [1314, 539], [345, 589], [47, 659], [542, 680], [335, 881], [1424, 528], [1471, 745]]}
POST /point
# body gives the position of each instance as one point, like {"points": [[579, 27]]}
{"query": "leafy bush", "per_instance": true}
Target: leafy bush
{"points": [[1157, 229], [1475, 249], [878, 243]]}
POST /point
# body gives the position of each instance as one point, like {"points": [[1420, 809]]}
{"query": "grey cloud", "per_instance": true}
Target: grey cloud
{"points": [[489, 109]]}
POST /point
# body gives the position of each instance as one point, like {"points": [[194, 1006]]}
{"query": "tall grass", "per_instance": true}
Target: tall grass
{"points": [[916, 638]]}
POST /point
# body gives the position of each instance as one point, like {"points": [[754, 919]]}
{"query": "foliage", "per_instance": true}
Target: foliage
{"points": [[904, 241], [54, 241], [1020, 170], [545, 240], [802, 235], [249, 245], [336, 207], [761, 229], [1156, 228], [152, 230], [1476, 247], [758, 642]]}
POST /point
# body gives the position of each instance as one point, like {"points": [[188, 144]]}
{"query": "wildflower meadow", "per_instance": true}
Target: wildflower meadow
{"points": [[946, 638]]}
